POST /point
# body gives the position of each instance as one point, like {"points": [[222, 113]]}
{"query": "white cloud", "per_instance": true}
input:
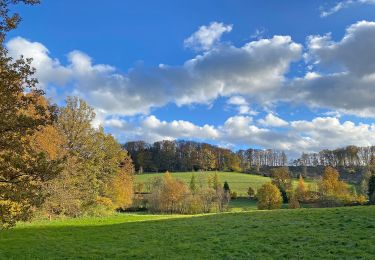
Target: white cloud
{"points": [[152, 129], [207, 36], [51, 71], [344, 4], [273, 121], [297, 137], [242, 105], [344, 74], [255, 69]]}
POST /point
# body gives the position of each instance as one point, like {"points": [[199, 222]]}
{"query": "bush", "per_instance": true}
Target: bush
{"points": [[233, 195], [269, 197], [169, 195], [251, 192], [293, 202]]}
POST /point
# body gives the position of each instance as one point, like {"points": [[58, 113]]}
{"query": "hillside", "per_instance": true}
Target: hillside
{"points": [[238, 182], [306, 233]]}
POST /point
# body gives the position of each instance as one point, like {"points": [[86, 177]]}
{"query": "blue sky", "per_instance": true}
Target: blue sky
{"points": [[291, 75]]}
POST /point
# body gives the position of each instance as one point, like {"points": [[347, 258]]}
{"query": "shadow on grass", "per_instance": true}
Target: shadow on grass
{"points": [[304, 233]]}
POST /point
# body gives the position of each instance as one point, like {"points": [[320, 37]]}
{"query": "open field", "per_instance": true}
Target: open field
{"points": [[238, 182], [305, 233]]}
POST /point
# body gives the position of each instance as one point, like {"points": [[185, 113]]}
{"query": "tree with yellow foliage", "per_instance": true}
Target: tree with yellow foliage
{"points": [[269, 197], [22, 169], [331, 185], [301, 190]]}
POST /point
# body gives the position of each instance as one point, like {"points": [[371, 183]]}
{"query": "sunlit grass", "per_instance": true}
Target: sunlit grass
{"points": [[304, 233], [239, 182]]}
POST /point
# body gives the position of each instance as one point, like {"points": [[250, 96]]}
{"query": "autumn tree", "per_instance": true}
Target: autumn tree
{"points": [[193, 184], [282, 179], [293, 201], [97, 170], [269, 197], [167, 194], [333, 191], [331, 185], [216, 181], [301, 189], [22, 169]]}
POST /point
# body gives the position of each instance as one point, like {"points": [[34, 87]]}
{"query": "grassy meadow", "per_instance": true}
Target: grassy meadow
{"points": [[347, 232], [238, 182]]}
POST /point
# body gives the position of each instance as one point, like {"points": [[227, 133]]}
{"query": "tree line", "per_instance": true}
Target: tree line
{"points": [[167, 155], [350, 156]]}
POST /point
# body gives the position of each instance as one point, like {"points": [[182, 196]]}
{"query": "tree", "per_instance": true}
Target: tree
{"points": [[365, 182], [226, 187], [97, 171], [22, 169], [371, 189], [193, 185], [168, 194], [331, 184], [216, 181], [269, 197], [293, 202], [282, 179], [250, 192], [301, 190]]}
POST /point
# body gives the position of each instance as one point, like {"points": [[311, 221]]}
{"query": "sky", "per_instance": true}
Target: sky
{"points": [[294, 75]]}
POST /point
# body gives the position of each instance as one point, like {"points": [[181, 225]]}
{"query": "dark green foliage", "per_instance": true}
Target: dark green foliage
{"points": [[226, 186], [282, 179], [371, 189], [251, 192]]}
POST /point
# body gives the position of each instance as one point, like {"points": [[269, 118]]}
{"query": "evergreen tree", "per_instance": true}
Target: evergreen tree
{"points": [[226, 187]]}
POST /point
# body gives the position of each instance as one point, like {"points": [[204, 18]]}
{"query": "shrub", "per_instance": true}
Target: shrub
{"points": [[251, 192], [233, 195], [169, 195], [269, 197], [293, 202]]}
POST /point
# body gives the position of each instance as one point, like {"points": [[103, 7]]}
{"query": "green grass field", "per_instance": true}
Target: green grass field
{"points": [[238, 182], [304, 233]]}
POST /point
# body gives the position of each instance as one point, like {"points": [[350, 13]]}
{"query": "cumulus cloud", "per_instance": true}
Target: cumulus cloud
{"points": [[344, 73], [343, 5], [49, 70], [207, 36], [297, 137], [255, 69], [272, 121], [243, 107], [153, 129]]}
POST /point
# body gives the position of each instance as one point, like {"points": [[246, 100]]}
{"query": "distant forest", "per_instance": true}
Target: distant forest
{"points": [[194, 156]]}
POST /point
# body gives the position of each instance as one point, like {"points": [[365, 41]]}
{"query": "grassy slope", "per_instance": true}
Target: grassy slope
{"points": [[238, 182], [305, 233]]}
